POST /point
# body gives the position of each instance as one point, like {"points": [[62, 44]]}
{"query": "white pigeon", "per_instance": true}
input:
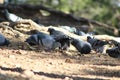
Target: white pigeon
{"points": [[12, 17]]}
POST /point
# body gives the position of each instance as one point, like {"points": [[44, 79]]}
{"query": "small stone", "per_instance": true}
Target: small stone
{"points": [[60, 63], [18, 52], [17, 65], [11, 56], [21, 52], [69, 61], [50, 63], [67, 78], [28, 73]]}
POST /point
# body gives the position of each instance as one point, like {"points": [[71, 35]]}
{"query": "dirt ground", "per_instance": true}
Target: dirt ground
{"points": [[19, 61]]}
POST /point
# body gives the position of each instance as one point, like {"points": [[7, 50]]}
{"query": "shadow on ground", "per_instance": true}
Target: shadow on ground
{"points": [[50, 75]]}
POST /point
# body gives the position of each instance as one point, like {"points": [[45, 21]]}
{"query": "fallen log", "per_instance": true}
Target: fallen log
{"points": [[34, 26]]}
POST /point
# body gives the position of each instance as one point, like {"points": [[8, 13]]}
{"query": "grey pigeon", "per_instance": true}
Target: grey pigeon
{"points": [[65, 42], [96, 43], [56, 33], [82, 46], [43, 40], [114, 42], [3, 41], [81, 33], [11, 17], [114, 52], [60, 37]]}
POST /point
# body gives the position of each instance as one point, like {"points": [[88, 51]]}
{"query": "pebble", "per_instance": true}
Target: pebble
{"points": [[17, 65], [67, 78], [28, 73], [12, 56], [69, 61], [21, 52]]}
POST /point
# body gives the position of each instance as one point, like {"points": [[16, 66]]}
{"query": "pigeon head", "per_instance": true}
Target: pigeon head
{"points": [[91, 40], [114, 52], [50, 30], [88, 37], [65, 42]]}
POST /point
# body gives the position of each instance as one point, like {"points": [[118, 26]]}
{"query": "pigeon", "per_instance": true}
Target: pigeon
{"points": [[114, 42], [114, 52], [3, 41], [70, 29], [81, 33], [65, 42], [82, 46], [60, 37], [43, 40], [12, 17], [96, 43], [6, 2], [56, 33]]}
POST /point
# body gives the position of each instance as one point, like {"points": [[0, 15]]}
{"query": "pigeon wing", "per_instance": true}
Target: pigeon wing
{"points": [[48, 43]]}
